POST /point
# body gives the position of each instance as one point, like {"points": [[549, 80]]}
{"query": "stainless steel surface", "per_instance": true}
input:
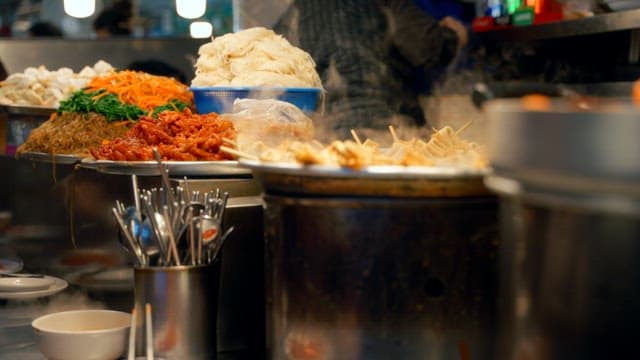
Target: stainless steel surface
{"points": [[569, 182], [397, 181], [240, 189], [49, 158], [381, 278], [176, 168], [183, 303], [599, 145], [600, 23], [27, 110], [569, 280]]}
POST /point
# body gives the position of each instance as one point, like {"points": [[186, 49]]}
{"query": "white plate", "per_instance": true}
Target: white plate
{"points": [[9, 266], [22, 284], [56, 286]]}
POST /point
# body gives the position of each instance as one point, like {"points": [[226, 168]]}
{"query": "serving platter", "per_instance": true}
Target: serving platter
{"points": [[56, 286], [33, 110], [62, 159], [378, 180], [176, 168]]}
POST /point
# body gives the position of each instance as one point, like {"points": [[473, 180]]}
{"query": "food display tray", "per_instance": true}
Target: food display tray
{"points": [[62, 159], [393, 181], [27, 110], [176, 168]]}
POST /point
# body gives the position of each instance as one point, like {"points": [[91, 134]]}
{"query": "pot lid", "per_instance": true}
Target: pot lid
{"points": [[562, 141]]}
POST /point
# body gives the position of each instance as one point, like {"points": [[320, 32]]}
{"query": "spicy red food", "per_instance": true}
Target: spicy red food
{"points": [[177, 136]]}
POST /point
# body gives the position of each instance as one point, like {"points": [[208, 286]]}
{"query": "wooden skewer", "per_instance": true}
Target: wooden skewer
{"points": [[355, 137], [131, 354], [228, 141], [464, 127], [238, 153], [148, 331], [393, 134]]}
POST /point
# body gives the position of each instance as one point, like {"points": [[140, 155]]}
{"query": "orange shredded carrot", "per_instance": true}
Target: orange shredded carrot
{"points": [[144, 90]]}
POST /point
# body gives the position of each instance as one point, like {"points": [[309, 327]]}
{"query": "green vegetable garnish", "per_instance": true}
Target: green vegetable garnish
{"points": [[110, 106]]}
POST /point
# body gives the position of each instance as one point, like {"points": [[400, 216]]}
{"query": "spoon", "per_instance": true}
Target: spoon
{"points": [[213, 254]]}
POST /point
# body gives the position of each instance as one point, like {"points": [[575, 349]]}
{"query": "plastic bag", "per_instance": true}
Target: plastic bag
{"points": [[268, 123]]}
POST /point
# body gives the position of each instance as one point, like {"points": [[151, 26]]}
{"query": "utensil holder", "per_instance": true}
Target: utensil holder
{"points": [[184, 303]]}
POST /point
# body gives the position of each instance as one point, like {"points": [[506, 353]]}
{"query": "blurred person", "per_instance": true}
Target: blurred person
{"points": [[370, 55], [114, 20], [44, 29]]}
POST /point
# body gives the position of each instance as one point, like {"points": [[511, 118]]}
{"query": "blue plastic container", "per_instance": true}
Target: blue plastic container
{"points": [[220, 99]]}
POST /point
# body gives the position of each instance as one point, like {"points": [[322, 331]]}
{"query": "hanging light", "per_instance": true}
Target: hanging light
{"points": [[79, 8], [200, 29], [191, 9]]}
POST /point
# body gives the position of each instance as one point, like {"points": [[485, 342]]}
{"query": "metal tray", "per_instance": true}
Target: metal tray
{"points": [[62, 159], [27, 110], [394, 181], [176, 168]]}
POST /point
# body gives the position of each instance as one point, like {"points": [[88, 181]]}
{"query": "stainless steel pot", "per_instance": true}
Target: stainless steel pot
{"points": [[569, 181], [378, 275]]}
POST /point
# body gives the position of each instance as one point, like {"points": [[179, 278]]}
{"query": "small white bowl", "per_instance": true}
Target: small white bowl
{"points": [[83, 334], [19, 284]]}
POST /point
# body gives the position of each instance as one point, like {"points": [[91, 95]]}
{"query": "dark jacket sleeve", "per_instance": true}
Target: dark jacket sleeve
{"points": [[417, 35]]}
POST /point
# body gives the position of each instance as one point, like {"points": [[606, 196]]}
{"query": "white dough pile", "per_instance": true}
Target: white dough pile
{"points": [[41, 87], [254, 57]]}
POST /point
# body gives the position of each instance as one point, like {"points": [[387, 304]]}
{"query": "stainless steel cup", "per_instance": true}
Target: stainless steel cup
{"points": [[184, 303]]}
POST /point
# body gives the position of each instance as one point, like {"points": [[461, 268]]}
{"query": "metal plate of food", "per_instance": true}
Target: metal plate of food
{"points": [[176, 168], [62, 159], [395, 181], [32, 110]]}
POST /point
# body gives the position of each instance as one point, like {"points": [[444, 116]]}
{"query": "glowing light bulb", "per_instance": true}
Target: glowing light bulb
{"points": [[79, 8], [191, 9], [200, 29]]}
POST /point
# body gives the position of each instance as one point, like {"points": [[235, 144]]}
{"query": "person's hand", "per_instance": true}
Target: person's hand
{"points": [[458, 27]]}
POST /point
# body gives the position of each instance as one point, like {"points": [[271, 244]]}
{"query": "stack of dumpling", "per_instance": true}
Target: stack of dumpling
{"points": [[254, 57]]}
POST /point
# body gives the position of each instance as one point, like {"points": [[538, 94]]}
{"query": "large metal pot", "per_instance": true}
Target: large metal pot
{"points": [[569, 180], [393, 269]]}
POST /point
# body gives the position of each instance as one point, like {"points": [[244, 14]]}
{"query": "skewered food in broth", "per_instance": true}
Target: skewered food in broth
{"points": [[444, 148]]}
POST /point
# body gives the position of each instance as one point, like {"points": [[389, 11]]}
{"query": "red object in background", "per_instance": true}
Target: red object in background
{"points": [[5, 30], [545, 10], [486, 23], [482, 23], [550, 10]]}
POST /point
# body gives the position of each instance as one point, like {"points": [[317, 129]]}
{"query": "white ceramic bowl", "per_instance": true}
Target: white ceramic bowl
{"points": [[83, 334]]}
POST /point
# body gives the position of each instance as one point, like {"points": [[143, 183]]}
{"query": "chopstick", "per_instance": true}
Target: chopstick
{"points": [[131, 354], [149, 331]]}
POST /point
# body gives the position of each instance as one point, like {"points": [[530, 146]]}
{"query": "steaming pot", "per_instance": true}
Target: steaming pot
{"points": [[364, 265], [569, 183]]}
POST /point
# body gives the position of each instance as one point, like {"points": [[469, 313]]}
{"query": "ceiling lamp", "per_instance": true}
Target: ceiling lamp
{"points": [[200, 29], [191, 9], [79, 8]]}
